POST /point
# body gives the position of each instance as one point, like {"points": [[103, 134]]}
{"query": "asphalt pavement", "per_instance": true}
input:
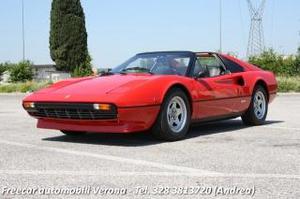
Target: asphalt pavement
{"points": [[223, 159]]}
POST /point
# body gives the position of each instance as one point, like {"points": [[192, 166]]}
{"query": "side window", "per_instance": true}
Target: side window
{"points": [[213, 65], [232, 66], [198, 67], [180, 64]]}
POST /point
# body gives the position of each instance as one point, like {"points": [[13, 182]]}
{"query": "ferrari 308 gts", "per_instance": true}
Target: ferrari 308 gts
{"points": [[164, 92]]}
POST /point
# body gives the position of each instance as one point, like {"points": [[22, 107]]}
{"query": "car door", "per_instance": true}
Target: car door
{"points": [[238, 74], [219, 91]]}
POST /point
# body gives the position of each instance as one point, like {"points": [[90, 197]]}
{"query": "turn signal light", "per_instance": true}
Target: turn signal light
{"points": [[27, 105], [102, 107]]}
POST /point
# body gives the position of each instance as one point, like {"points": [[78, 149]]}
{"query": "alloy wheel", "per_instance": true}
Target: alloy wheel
{"points": [[176, 114], [259, 105]]}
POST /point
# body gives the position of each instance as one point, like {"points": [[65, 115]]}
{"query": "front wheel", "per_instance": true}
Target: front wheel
{"points": [[258, 109], [73, 133], [174, 118]]}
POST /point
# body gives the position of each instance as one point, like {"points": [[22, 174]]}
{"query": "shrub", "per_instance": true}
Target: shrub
{"points": [[297, 62], [21, 72], [288, 84], [3, 67], [279, 64], [84, 69], [23, 87]]}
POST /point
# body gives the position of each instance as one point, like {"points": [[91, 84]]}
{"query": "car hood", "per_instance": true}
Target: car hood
{"points": [[92, 89]]}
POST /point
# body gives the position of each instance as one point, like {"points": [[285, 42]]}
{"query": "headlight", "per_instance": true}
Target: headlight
{"points": [[28, 105], [102, 107]]}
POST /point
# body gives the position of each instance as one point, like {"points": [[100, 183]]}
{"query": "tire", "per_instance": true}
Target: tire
{"points": [[73, 133], [257, 112], [174, 119]]}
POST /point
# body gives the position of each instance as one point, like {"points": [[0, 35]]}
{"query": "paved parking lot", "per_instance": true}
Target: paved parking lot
{"points": [[215, 157]]}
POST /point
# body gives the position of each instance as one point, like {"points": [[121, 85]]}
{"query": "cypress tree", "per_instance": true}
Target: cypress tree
{"points": [[68, 36]]}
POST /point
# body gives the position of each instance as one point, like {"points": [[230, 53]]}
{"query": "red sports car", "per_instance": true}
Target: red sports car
{"points": [[164, 92]]}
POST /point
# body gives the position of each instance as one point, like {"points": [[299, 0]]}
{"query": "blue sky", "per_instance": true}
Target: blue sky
{"points": [[118, 29]]}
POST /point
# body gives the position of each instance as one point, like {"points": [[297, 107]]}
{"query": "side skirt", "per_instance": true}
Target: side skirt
{"points": [[217, 118]]}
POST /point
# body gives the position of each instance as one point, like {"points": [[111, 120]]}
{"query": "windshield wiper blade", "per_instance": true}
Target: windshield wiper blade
{"points": [[136, 68], [106, 73]]}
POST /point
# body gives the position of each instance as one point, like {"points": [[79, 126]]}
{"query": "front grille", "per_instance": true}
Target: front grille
{"points": [[76, 111]]}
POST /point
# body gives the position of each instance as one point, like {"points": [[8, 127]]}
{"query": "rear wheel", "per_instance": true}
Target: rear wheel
{"points": [[73, 133], [258, 109], [174, 118]]}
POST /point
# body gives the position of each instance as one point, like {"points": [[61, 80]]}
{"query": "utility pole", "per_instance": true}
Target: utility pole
{"points": [[256, 35], [220, 2], [23, 31], [299, 38]]}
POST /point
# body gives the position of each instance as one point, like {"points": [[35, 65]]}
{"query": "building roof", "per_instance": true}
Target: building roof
{"points": [[44, 66]]}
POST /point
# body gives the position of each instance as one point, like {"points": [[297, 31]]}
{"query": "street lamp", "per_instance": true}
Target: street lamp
{"points": [[220, 2], [23, 31]]}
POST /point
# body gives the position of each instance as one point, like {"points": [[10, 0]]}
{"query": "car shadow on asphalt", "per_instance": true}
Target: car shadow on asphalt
{"points": [[145, 138]]}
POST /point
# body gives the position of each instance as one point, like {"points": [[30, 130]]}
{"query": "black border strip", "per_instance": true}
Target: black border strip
{"points": [[140, 106], [224, 98]]}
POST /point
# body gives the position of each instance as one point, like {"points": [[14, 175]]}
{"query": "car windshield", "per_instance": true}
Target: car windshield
{"points": [[156, 63]]}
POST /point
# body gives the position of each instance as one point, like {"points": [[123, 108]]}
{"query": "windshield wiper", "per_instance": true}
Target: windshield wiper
{"points": [[106, 73], [123, 71]]}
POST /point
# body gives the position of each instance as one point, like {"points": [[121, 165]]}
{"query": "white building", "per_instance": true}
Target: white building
{"points": [[5, 77], [48, 73], [41, 73]]}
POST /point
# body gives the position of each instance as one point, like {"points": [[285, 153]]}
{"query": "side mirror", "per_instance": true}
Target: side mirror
{"points": [[105, 72], [227, 72]]}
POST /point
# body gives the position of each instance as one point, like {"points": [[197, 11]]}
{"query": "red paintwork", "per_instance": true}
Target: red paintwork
{"points": [[139, 96], [129, 120]]}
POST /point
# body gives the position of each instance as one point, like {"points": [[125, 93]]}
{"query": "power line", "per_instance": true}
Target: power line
{"points": [[272, 23], [256, 35], [220, 2], [242, 25]]}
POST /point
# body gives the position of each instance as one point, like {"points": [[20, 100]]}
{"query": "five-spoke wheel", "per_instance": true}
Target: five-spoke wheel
{"points": [[259, 104], [174, 118], [176, 114], [257, 111]]}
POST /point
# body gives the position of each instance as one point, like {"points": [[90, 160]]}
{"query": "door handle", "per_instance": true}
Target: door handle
{"points": [[225, 81], [240, 81]]}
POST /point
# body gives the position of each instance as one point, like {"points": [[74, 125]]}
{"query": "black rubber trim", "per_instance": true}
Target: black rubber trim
{"points": [[217, 118], [141, 106], [224, 98]]}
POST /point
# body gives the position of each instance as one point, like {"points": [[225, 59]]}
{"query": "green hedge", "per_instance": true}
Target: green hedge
{"points": [[21, 72], [279, 64], [288, 84], [23, 87], [3, 68]]}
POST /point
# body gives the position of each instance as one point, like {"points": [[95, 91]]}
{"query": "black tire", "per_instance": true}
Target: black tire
{"points": [[73, 133], [161, 129], [249, 117]]}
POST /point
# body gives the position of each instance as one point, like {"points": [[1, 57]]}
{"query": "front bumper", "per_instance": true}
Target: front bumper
{"points": [[129, 119]]}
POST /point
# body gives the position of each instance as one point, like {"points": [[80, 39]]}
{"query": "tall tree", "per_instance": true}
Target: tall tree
{"points": [[68, 36]]}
